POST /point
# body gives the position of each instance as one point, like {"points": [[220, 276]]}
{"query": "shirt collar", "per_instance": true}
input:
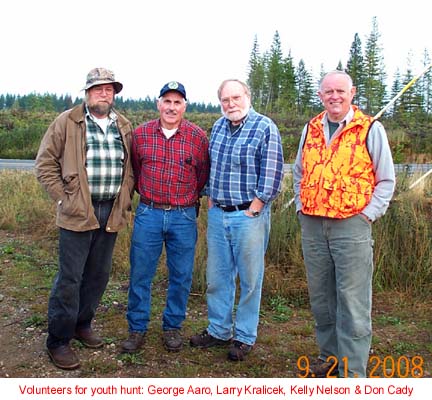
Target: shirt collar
{"points": [[239, 126], [346, 120], [180, 128]]}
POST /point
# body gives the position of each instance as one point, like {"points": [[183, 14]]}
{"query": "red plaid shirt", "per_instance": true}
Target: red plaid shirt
{"points": [[170, 171]]}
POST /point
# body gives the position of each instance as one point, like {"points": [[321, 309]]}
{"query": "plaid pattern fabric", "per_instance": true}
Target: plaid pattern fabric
{"points": [[247, 163], [170, 171], [105, 157]]}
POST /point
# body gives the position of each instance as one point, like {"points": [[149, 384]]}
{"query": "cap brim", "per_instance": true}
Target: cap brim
{"points": [[117, 85], [173, 90]]}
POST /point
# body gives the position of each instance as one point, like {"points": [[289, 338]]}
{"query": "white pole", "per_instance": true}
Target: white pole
{"points": [[420, 179], [404, 89]]}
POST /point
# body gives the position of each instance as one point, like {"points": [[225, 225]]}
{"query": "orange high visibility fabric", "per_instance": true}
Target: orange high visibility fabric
{"points": [[338, 180]]}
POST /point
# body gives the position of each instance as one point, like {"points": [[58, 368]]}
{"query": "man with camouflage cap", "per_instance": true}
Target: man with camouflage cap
{"points": [[84, 164]]}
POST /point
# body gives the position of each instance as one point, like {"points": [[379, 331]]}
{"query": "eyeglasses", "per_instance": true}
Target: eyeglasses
{"points": [[109, 90], [225, 101]]}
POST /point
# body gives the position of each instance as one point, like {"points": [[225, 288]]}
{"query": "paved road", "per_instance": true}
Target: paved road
{"points": [[16, 164], [29, 164]]}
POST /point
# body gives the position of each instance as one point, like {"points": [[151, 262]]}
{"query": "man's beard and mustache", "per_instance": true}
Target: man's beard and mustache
{"points": [[237, 116], [101, 108]]}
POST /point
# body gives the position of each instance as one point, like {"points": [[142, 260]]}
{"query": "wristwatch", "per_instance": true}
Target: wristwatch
{"points": [[254, 212]]}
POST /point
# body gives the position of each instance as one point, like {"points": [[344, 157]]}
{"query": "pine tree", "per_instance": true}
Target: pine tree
{"points": [[426, 84], [396, 88], [256, 78], [288, 95], [355, 68], [304, 88], [274, 73], [374, 72], [410, 104]]}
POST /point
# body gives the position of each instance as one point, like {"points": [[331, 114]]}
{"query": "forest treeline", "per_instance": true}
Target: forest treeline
{"points": [[280, 88], [279, 85], [52, 102]]}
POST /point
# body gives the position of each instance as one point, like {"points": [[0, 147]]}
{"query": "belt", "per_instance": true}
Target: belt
{"points": [[239, 207], [166, 207]]}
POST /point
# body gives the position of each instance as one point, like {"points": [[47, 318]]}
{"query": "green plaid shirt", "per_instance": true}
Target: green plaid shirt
{"points": [[105, 157]]}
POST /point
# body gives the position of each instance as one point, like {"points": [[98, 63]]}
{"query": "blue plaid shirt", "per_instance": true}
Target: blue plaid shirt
{"points": [[247, 163]]}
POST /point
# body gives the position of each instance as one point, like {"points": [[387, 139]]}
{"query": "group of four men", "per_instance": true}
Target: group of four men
{"points": [[91, 161]]}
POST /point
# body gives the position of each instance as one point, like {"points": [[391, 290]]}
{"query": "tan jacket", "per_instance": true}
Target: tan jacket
{"points": [[60, 169]]}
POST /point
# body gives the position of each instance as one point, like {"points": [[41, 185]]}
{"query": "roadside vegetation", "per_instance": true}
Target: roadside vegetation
{"points": [[21, 132]]}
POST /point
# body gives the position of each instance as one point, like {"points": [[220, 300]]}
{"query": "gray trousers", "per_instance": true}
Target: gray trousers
{"points": [[338, 254]]}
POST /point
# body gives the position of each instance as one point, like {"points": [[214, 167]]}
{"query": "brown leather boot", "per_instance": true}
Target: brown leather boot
{"points": [[88, 338], [64, 357], [133, 343]]}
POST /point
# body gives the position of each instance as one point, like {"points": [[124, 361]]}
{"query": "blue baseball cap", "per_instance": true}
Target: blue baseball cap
{"points": [[173, 86]]}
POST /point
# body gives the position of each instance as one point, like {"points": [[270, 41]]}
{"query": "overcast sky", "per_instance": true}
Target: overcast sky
{"points": [[48, 46]]}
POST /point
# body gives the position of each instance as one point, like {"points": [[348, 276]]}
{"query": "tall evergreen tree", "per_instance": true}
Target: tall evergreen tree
{"points": [[374, 78], [288, 96], [410, 105], [304, 88], [396, 88], [355, 69], [426, 83], [274, 73], [256, 77]]}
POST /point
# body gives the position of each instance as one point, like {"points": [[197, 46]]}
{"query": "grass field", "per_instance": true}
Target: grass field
{"points": [[402, 321]]}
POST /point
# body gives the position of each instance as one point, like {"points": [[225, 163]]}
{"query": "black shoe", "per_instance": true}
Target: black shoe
{"points": [[238, 351], [134, 342], [322, 369], [204, 340], [173, 340]]}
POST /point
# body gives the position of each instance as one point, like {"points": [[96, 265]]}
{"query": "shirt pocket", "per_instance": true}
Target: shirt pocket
{"points": [[186, 169], [242, 155]]}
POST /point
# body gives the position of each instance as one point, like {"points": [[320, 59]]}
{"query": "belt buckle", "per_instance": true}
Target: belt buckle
{"points": [[169, 208]]}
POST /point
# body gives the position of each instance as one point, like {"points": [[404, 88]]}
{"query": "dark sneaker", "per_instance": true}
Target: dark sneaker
{"points": [[204, 340], [88, 338], [133, 343], [238, 351], [64, 357], [322, 369], [173, 340]]}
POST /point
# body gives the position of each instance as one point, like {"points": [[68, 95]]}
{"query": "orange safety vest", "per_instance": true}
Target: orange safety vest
{"points": [[338, 180]]}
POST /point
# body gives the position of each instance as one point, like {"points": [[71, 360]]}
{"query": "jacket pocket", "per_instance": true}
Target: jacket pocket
{"points": [[72, 204], [71, 184]]}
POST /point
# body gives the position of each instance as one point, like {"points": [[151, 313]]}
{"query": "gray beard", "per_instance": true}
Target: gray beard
{"points": [[101, 109]]}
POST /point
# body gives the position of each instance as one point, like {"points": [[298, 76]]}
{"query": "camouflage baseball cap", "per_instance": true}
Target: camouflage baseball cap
{"points": [[102, 76]]}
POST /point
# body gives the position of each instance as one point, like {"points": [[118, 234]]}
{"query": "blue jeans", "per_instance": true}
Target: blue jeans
{"points": [[85, 260], [338, 254], [153, 227], [236, 247]]}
